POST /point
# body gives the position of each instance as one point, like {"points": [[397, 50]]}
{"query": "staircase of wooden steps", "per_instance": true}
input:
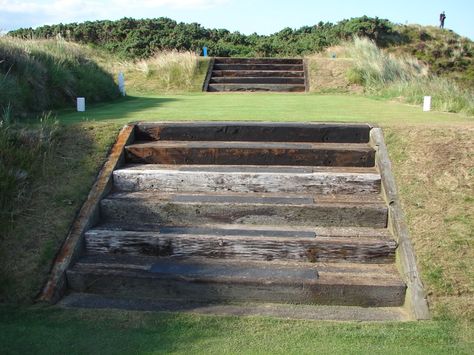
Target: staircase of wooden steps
{"points": [[256, 74], [232, 215]]}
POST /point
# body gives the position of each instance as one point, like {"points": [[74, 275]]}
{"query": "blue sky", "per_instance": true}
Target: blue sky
{"points": [[246, 16]]}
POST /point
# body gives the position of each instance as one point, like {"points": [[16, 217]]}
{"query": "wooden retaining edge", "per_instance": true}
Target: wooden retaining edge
{"points": [[205, 85], [306, 75], [85, 219], [416, 301]]}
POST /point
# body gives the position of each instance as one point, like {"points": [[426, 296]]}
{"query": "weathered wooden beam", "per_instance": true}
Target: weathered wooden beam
{"points": [[244, 209], [249, 179], [415, 298], [228, 60], [257, 80], [241, 66], [243, 247], [258, 73], [214, 280], [208, 75], [254, 131], [251, 153], [306, 75], [86, 218], [257, 87]]}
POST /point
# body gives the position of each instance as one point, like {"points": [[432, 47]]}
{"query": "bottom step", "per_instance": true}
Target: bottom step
{"points": [[257, 87], [232, 281], [286, 311]]}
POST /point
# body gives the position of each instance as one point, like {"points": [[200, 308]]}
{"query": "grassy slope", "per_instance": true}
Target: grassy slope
{"points": [[447, 53], [434, 167], [67, 173], [40, 75], [436, 180], [145, 76]]}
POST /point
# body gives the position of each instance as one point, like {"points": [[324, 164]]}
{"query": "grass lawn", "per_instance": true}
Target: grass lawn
{"points": [[260, 106], [433, 159], [54, 331]]}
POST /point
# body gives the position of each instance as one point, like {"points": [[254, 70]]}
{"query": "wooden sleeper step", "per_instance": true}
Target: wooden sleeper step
{"points": [[251, 179], [225, 60], [257, 87], [253, 131], [251, 153], [241, 66], [268, 209], [198, 279], [256, 80], [240, 243], [258, 73]]}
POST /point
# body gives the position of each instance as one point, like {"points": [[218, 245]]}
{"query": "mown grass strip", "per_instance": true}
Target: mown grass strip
{"points": [[47, 330], [260, 106]]}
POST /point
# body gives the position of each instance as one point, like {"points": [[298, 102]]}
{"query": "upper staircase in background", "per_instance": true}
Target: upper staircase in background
{"points": [[256, 74]]}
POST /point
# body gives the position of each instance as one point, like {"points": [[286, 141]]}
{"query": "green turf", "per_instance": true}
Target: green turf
{"points": [[57, 331], [275, 107]]}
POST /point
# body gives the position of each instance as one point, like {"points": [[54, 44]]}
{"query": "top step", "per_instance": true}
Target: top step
{"points": [[258, 61], [260, 66], [253, 132]]}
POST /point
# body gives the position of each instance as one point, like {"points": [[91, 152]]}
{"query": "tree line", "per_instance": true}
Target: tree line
{"points": [[131, 38]]}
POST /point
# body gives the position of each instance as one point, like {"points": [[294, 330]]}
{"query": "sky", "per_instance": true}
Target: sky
{"points": [[246, 16]]}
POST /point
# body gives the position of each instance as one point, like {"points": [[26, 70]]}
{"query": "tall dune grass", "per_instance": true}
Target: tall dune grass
{"points": [[24, 151], [404, 77], [39, 75], [375, 67], [166, 71]]}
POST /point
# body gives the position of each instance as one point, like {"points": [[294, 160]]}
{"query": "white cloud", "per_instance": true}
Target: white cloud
{"points": [[55, 11], [56, 6]]}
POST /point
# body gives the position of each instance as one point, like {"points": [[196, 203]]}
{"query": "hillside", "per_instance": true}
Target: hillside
{"points": [[41, 75], [444, 51], [37, 76]]}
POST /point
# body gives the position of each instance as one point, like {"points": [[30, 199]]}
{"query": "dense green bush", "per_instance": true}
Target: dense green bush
{"points": [[132, 38], [42, 75], [446, 53]]}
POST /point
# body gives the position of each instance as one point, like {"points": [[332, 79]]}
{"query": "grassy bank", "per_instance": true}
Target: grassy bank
{"points": [[165, 72], [405, 78], [41, 75], [42, 185], [434, 170], [24, 153], [44, 75]]}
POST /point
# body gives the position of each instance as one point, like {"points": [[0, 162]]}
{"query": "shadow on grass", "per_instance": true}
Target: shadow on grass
{"points": [[120, 109], [50, 330]]}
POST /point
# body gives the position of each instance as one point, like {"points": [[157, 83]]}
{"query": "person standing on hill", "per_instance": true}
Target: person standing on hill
{"points": [[442, 17]]}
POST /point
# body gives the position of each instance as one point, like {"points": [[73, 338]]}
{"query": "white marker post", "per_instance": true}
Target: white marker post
{"points": [[81, 104], [427, 104], [121, 83]]}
